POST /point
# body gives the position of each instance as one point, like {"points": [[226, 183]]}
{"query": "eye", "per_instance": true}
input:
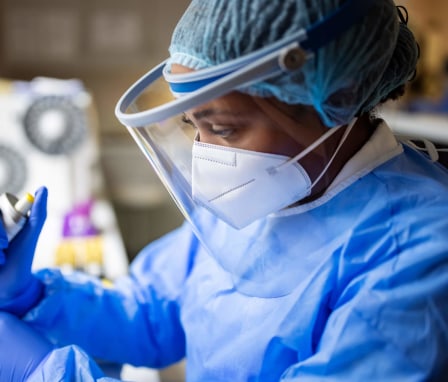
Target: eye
{"points": [[222, 131]]}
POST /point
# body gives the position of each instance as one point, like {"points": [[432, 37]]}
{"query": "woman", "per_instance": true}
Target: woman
{"points": [[315, 242]]}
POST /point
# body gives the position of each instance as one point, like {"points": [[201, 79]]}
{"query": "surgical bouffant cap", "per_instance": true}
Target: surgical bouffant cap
{"points": [[346, 77]]}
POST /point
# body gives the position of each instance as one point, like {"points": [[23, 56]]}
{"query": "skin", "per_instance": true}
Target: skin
{"points": [[268, 125]]}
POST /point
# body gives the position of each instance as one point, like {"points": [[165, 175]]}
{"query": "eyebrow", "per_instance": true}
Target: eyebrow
{"points": [[209, 112]]}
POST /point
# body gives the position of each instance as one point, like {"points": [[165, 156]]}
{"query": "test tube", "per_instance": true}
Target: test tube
{"points": [[14, 212]]}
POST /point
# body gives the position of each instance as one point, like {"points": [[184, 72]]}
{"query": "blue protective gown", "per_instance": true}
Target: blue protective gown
{"points": [[371, 306]]}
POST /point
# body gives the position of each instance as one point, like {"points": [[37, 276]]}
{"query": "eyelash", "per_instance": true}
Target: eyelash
{"points": [[226, 133]]}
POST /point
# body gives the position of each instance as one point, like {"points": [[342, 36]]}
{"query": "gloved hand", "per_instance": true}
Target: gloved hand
{"points": [[19, 289], [22, 349]]}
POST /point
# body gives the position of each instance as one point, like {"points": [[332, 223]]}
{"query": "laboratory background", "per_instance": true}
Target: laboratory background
{"points": [[63, 67]]}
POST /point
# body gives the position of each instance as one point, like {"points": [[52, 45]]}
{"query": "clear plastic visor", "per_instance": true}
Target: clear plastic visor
{"points": [[250, 254], [264, 258]]}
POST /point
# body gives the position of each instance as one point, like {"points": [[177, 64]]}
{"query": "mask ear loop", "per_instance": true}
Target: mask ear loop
{"points": [[341, 142], [319, 141]]}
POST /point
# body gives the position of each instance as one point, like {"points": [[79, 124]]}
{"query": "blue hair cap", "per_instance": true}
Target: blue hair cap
{"points": [[350, 75]]}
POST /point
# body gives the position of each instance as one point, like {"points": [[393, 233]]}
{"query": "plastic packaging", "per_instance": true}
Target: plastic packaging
{"points": [[14, 212]]}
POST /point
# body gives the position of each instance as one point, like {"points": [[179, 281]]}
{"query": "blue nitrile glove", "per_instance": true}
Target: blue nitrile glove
{"points": [[22, 349], [19, 289]]}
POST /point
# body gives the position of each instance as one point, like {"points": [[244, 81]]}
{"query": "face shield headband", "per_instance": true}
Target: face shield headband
{"points": [[201, 86], [152, 110]]}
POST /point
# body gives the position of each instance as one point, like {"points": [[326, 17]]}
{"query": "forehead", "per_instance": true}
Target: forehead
{"points": [[232, 104], [179, 69]]}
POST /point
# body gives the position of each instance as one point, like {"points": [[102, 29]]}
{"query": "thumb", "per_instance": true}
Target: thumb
{"points": [[3, 235], [38, 212], [37, 217], [3, 240]]}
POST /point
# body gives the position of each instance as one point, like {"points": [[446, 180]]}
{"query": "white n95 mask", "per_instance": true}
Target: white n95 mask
{"points": [[241, 186]]}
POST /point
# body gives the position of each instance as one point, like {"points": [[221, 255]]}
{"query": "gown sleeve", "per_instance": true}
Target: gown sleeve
{"points": [[136, 321]]}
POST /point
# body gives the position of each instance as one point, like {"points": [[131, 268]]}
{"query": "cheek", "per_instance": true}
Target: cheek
{"points": [[205, 137], [274, 141]]}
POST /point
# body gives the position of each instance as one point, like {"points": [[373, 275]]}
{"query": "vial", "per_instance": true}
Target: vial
{"points": [[14, 212]]}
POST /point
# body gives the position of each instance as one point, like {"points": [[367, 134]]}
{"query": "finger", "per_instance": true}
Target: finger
{"points": [[38, 213], [3, 238], [3, 235]]}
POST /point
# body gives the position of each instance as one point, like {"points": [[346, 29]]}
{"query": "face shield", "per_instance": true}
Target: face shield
{"points": [[153, 112]]}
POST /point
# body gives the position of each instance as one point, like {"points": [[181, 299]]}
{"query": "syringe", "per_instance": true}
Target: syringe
{"points": [[14, 212]]}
